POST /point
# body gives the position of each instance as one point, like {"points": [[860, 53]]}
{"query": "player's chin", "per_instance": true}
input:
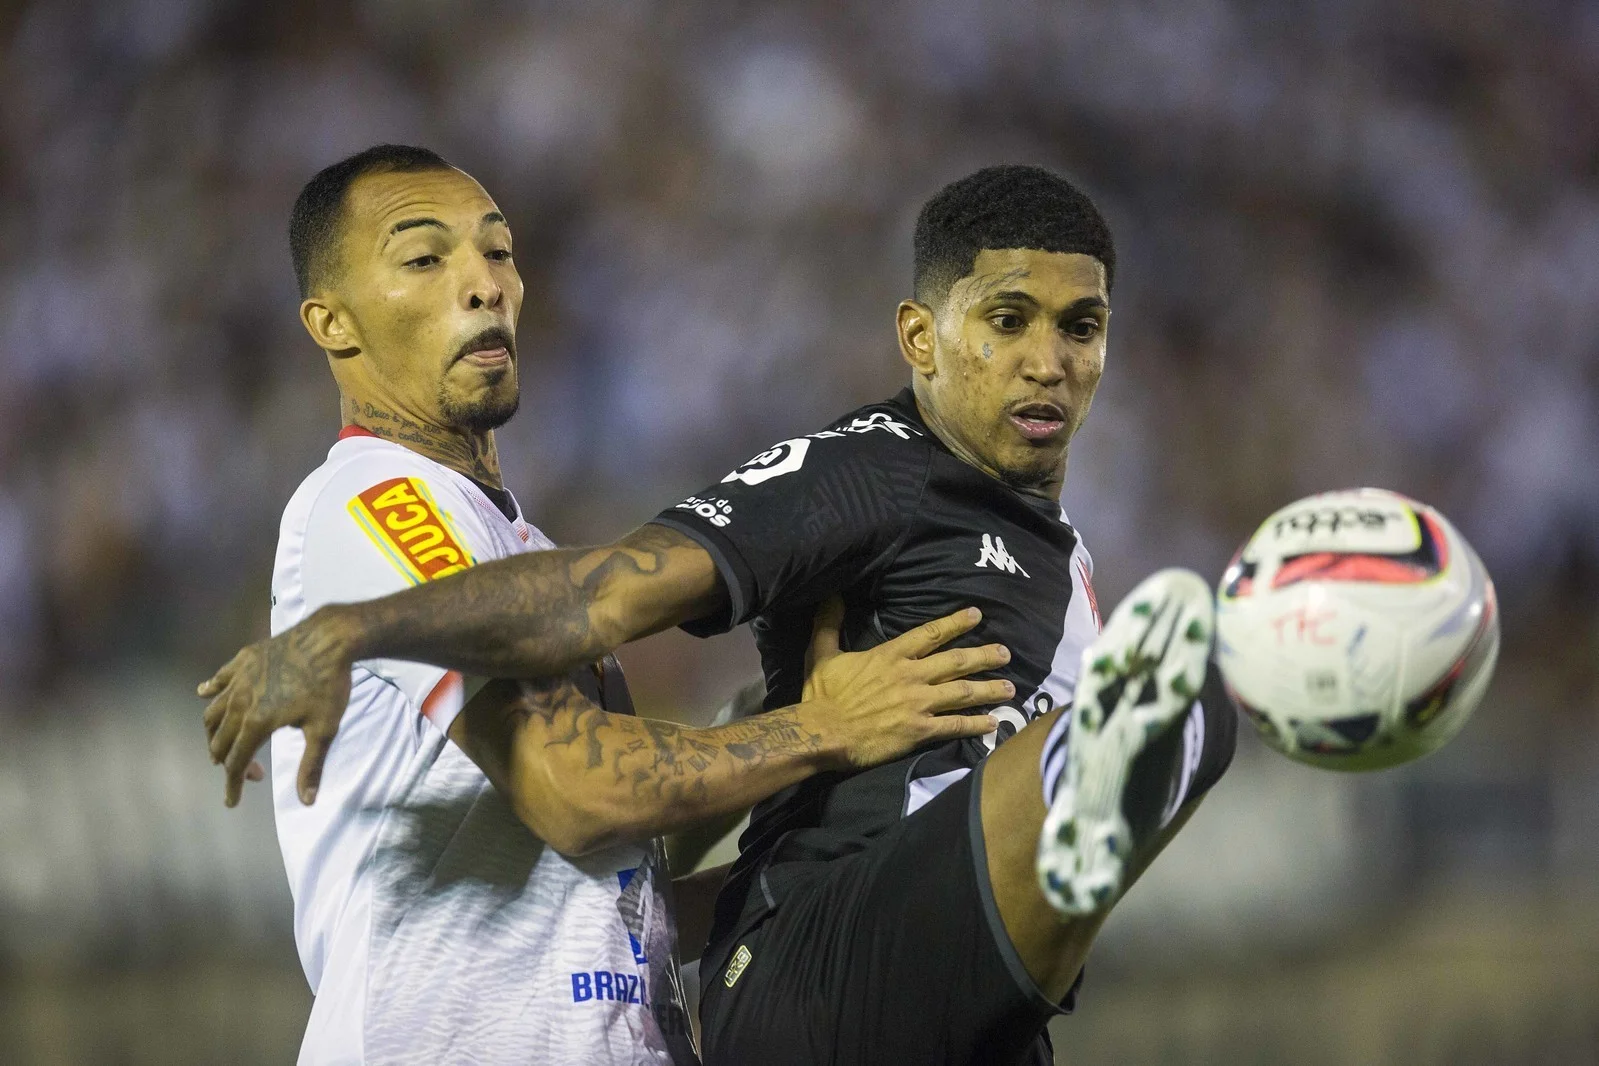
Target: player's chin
{"points": [[1028, 462], [486, 407]]}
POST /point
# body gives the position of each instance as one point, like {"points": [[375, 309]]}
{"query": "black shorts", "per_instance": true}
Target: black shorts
{"points": [[892, 956]]}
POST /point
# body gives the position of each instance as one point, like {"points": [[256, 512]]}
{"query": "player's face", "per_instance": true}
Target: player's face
{"points": [[1017, 349], [429, 282]]}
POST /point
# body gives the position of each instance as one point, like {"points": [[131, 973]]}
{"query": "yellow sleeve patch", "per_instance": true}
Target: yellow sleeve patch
{"points": [[400, 517]]}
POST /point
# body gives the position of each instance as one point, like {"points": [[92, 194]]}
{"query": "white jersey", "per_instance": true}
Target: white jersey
{"points": [[432, 924]]}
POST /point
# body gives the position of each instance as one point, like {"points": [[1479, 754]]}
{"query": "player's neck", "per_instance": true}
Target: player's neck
{"points": [[1048, 489], [473, 454]]}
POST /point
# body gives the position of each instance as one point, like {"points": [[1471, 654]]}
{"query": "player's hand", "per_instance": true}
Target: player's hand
{"points": [[301, 677], [885, 702]]}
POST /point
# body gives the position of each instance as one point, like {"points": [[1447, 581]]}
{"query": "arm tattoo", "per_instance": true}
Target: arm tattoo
{"points": [[681, 773], [535, 615]]}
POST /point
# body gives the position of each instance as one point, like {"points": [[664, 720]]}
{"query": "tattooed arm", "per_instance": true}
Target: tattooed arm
{"points": [[583, 778], [546, 613], [539, 614], [535, 615]]}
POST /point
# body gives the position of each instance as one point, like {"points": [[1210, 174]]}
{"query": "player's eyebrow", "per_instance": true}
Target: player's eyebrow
{"points": [[412, 223], [1087, 303], [492, 216], [1015, 296]]}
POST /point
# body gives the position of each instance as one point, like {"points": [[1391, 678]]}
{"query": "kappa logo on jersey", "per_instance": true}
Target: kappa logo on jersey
{"points": [[995, 555], [718, 512], [401, 518], [782, 458]]}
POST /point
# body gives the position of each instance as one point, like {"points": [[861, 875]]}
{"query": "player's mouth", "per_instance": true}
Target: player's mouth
{"points": [[1038, 421], [493, 349], [489, 357]]}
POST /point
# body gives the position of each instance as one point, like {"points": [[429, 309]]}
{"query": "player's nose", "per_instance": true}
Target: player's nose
{"points": [[1046, 364], [480, 289]]}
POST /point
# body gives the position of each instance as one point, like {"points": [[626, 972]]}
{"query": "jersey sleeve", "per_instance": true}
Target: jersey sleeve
{"points": [[382, 525], [805, 517]]}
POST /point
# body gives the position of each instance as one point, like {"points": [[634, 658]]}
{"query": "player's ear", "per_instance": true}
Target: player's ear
{"points": [[915, 325], [329, 325]]}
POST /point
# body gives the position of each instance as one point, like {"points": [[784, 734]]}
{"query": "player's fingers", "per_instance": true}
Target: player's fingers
{"points": [[317, 742], [237, 763], [958, 695], [217, 681], [824, 636], [932, 635], [214, 712], [957, 726], [226, 730], [958, 662], [256, 772]]}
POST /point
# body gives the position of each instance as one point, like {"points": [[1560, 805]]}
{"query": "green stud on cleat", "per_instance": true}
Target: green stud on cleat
{"points": [[1196, 632]]}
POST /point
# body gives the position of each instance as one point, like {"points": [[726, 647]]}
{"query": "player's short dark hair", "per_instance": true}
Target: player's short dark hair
{"points": [[314, 222], [1008, 206]]}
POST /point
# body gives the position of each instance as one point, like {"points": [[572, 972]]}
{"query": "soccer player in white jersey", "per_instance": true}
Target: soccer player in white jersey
{"points": [[500, 898]]}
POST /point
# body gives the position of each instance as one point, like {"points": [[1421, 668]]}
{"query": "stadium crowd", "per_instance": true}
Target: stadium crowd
{"points": [[1358, 246]]}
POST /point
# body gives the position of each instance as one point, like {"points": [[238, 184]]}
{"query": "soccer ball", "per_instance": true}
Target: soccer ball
{"points": [[1356, 629]]}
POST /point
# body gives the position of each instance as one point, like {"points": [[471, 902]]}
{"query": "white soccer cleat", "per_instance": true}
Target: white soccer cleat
{"points": [[1138, 678]]}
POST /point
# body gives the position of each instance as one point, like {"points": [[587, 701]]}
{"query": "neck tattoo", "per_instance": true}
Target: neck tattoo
{"points": [[471, 453]]}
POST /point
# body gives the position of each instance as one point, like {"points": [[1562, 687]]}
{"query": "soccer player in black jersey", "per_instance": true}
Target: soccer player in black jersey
{"points": [[937, 908]]}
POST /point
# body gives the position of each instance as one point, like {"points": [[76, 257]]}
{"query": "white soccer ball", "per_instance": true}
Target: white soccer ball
{"points": [[1356, 629]]}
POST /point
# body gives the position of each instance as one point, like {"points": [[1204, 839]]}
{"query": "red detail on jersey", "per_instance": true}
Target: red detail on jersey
{"points": [[450, 685], [1088, 589], [356, 431]]}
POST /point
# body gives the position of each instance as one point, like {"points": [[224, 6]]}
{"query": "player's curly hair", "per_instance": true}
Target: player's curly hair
{"points": [[1008, 206], [314, 222]]}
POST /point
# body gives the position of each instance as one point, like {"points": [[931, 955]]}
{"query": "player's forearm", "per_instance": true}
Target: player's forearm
{"points": [[584, 778], [516, 617], [642, 778], [534, 615]]}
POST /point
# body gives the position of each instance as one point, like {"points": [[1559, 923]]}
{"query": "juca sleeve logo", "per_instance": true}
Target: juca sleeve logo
{"points": [[401, 518]]}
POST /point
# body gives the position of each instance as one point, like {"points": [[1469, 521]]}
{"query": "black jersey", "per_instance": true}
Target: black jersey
{"points": [[877, 509]]}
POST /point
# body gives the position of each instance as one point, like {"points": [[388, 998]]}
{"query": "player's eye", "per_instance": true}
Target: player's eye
{"points": [[1083, 329], [422, 261], [499, 255], [1006, 321]]}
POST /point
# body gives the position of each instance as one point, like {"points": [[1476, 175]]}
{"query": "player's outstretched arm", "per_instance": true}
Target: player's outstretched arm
{"points": [[535, 615], [583, 778]]}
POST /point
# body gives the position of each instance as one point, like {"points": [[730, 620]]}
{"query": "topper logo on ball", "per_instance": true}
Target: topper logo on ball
{"points": [[1334, 520]]}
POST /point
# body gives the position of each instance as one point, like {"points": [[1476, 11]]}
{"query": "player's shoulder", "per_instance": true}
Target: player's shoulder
{"points": [[371, 471], [893, 424], [882, 436]]}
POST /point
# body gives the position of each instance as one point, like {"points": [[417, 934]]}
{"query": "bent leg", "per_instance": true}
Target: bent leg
{"points": [[1165, 782]]}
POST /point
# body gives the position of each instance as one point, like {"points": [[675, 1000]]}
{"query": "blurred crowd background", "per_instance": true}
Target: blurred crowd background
{"points": [[1359, 244]]}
